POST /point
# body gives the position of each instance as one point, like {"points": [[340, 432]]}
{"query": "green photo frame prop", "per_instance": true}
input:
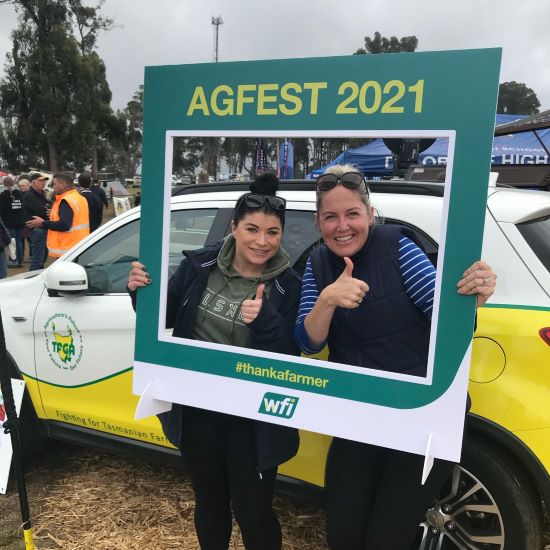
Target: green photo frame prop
{"points": [[435, 94]]}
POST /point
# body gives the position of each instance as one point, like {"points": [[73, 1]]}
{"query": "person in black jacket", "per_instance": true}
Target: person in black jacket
{"points": [[239, 292], [95, 208], [35, 203], [98, 191], [11, 210], [368, 292]]}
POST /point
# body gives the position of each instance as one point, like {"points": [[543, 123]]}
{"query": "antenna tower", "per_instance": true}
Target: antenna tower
{"points": [[216, 22]]}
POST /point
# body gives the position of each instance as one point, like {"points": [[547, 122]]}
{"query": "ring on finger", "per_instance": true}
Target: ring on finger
{"points": [[359, 300], [485, 280]]}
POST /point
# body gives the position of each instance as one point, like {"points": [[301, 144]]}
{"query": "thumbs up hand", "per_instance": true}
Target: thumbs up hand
{"points": [[346, 291], [251, 308], [348, 270]]}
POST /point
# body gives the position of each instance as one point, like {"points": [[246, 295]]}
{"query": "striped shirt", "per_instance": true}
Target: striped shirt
{"points": [[417, 273]]}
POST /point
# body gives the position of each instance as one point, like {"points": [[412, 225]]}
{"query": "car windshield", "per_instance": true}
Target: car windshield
{"points": [[537, 234]]}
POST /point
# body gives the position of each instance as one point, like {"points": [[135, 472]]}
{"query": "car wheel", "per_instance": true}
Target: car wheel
{"points": [[488, 504]]}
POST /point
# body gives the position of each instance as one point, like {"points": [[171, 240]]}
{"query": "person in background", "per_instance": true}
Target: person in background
{"points": [[5, 239], [24, 184], [98, 190], [368, 292], [69, 219], [233, 461], [35, 204], [94, 202], [137, 199], [11, 211]]}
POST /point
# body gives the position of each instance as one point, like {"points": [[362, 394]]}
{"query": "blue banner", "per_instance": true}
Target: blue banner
{"points": [[286, 161]]}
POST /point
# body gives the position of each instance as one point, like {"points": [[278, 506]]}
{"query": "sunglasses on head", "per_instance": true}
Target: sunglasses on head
{"points": [[252, 200], [351, 180]]}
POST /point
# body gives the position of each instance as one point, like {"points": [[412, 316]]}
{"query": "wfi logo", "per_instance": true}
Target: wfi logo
{"points": [[278, 405]]}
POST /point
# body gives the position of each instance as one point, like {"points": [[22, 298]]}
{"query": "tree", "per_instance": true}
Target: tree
{"points": [[516, 98], [187, 155], [237, 151], [380, 44], [55, 95], [133, 116]]}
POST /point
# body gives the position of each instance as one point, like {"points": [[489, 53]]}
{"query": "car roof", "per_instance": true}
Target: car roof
{"points": [[377, 186], [506, 204], [515, 206]]}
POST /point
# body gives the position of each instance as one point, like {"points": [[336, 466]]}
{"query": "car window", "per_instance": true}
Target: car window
{"points": [[537, 234], [189, 230], [107, 261], [299, 237]]}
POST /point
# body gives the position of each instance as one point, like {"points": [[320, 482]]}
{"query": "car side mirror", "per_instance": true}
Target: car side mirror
{"points": [[66, 279]]}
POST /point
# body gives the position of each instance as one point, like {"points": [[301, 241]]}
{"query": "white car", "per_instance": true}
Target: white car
{"points": [[70, 332]]}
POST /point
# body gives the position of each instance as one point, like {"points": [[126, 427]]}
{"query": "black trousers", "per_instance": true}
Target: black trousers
{"points": [[220, 453], [374, 497]]}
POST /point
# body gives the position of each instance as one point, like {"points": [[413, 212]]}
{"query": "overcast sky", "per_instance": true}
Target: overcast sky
{"points": [[166, 32]]}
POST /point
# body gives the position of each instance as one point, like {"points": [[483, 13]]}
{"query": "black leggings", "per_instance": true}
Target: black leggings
{"points": [[374, 497], [220, 452]]}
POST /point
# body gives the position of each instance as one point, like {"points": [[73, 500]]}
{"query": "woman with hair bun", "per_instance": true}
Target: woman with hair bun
{"points": [[233, 461]]}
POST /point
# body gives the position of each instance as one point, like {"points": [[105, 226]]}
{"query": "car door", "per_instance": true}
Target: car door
{"points": [[84, 344]]}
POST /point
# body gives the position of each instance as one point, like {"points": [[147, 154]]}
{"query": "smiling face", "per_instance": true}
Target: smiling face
{"points": [[257, 238], [344, 221]]}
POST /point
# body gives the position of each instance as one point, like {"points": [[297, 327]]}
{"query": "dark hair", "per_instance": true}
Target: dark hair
{"points": [[65, 177], [265, 184], [85, 179]]}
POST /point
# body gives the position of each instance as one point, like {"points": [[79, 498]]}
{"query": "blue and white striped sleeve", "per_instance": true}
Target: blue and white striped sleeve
{"points": [[310, 293], [418, 275]]}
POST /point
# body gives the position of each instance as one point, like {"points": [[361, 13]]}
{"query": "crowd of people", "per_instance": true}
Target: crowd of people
{"points": [[46, 226], [368, 292]]}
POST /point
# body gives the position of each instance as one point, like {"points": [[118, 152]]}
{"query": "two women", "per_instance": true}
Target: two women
{"points": [[368, 293], [233, 461]]}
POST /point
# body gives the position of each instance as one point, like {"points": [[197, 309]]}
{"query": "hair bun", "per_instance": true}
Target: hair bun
{"points": [[265, 184]]}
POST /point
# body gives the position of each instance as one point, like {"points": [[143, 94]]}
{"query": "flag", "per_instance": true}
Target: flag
{"points": [[286, 161], [260, 157]]}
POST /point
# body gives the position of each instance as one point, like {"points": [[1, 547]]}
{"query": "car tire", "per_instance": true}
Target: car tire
{"points": [[489, 504]]}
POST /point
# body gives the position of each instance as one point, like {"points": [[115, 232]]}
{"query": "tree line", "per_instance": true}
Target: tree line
{"points": [[55, 102]]}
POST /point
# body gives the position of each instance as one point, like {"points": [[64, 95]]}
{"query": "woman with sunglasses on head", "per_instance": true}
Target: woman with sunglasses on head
{"points": [[233, 461], [368, 293]]}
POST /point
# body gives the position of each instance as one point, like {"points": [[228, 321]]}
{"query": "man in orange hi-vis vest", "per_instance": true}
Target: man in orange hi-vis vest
{"points": [[69, 219]]}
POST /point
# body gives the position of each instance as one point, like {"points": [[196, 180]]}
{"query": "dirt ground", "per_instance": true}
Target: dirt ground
{"points": [[84, 499]]}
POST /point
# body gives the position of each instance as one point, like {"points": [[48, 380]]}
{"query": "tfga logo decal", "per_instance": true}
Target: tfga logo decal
{"points": [[278, 405], [63, 341]]}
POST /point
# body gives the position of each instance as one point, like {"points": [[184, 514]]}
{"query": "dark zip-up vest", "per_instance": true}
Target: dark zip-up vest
{"points": [[387, 331]]}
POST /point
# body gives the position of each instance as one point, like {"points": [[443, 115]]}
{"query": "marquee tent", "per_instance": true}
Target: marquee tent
{"points": [[375, 159]]}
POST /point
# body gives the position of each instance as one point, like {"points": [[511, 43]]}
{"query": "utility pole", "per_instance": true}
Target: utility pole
{"points": [[216, 22]]}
